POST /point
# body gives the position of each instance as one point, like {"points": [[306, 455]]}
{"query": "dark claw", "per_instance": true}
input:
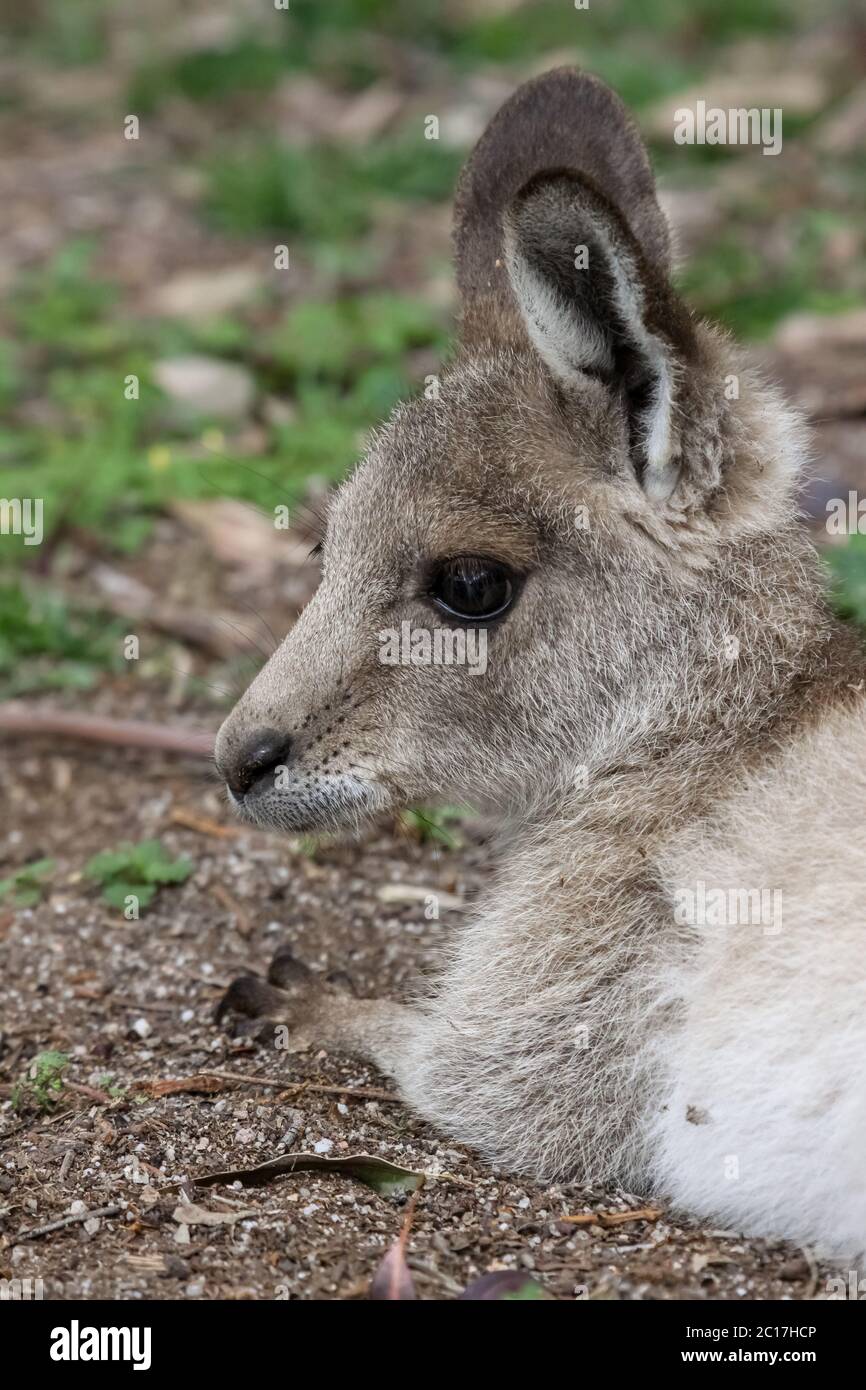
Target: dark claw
{"points": [[266, 1032], [251, 1029], [250, 996], [288, 973], [339, 980]]}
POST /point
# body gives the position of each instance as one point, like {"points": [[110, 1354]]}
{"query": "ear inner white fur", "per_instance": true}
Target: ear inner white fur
{"points": [[586, 326], [567, 340]]}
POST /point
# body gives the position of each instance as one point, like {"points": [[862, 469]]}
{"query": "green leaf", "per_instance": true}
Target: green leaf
{"points": [[432, 823], [42, 1081], [505, 1286], [146, 852], [24, 887], [106, 865], [168, 871], [847, 565], [27, 897], [32, 872], [117, 892], [136, 870]]}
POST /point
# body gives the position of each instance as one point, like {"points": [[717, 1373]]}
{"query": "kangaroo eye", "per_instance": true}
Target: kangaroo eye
{"points": [[470, 586]]}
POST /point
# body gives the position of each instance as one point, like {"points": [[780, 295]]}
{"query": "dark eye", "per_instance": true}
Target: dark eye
{"points": [[470, 586]]}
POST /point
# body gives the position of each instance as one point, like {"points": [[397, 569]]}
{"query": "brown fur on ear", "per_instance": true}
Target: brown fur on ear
{"points": [[564, 119]]}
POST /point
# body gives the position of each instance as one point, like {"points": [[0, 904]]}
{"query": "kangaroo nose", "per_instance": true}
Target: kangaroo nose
{"points": [[261, 754]]}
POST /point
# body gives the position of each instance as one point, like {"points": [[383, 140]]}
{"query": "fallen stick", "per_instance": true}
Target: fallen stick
{"points": [[89, 1092], [231, 904], [359, 1092], [612, 1218], [19, 718], [46, 1230], [203, 824]]}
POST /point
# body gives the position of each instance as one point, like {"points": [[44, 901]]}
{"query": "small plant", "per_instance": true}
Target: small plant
{"points": [[46, 644], [847, 565], [136, 871], [64, 303], [111, 1087], [24, 888], [431, 823], [309, 845], [42, 1083], [326, 193]]}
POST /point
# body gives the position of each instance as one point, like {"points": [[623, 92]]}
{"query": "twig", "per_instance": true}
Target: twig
{"points": [[409, 1218], [90, 1092], [16, 717], [612, 1218], [203, 824], [46, 1230], [436, 1276], [141, 1006], [231, 904], [201, 1083], [358, 1092]]}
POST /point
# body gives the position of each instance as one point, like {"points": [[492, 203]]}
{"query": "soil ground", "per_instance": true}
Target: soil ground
{"points": [[133, 1001]]}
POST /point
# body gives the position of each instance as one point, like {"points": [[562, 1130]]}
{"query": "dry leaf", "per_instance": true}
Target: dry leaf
{"points": [[385, 1178], [190, 1214], [392, 1282]]}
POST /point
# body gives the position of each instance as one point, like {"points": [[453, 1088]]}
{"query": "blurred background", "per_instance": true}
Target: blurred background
{"points": [[168, 375]]}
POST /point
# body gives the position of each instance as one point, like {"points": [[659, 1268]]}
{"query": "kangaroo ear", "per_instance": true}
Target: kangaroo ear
{"points": [[558, 234], [564, 119], [592, 305]]}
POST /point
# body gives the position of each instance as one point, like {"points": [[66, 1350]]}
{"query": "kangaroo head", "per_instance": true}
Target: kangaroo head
{"points": [[513, 576]]}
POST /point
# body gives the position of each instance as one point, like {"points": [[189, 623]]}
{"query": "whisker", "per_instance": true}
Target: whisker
{"points": [[246, 636], [264, 623], [199, 680]]}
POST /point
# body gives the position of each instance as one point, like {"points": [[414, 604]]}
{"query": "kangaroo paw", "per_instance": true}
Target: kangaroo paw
{"points": [[302, 1009], [293, 1001]]}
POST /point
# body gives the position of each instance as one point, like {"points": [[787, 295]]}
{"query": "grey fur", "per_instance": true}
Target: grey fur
{"points": [[668, 688]]}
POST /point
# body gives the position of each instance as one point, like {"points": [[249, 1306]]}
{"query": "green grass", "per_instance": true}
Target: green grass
{"points": [[334, 340], [247, 66], [680, 25], [326, 193], [70, 35], [107, 465], [733, 280], [64, 307], [45, 644], [647, 46], [847, 566], [436, 824], [25, 886]]}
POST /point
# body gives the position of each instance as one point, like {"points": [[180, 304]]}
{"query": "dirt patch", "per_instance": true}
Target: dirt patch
{"points": [[132, 1001]]}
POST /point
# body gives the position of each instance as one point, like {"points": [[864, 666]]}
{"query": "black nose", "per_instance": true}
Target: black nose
{"points": [[260, 755]]}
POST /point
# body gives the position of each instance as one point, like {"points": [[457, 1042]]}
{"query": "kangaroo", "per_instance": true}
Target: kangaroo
{"points": [[664, 983]]}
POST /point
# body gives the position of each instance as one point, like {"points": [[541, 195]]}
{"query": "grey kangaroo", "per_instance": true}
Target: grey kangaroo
{"points": [[664, 983]]}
